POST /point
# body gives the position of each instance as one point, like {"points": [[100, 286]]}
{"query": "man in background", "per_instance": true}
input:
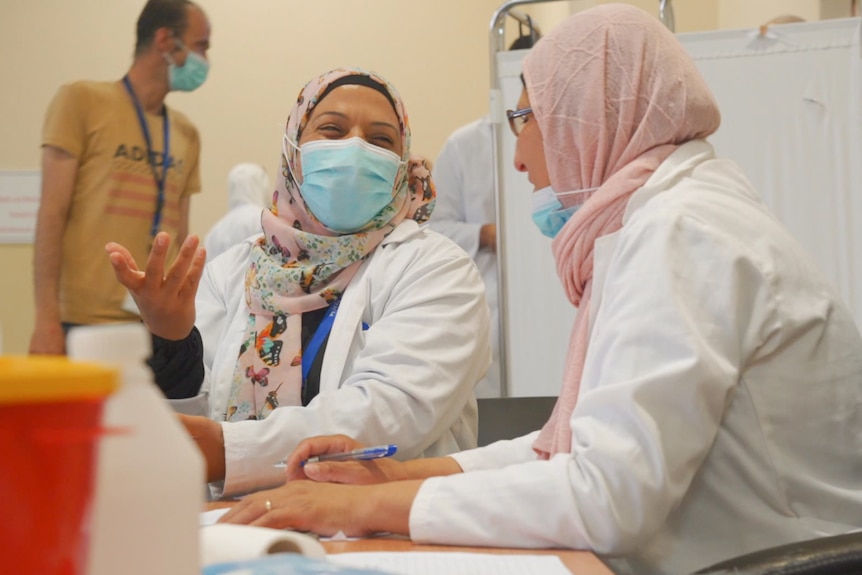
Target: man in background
{"points": [[466, 211], [117, 165], [248, 194]]}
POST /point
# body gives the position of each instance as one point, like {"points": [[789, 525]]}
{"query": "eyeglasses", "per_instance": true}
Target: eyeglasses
{"points": [[517, 119]]}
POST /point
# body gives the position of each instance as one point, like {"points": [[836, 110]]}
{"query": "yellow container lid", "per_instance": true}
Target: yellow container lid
{"points": [[43, 378]]}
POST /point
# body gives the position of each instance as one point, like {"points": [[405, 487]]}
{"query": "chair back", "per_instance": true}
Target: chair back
{"points": [[510, 417], [834, 555]]}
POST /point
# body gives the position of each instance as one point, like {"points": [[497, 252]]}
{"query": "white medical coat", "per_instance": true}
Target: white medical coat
{"points": [[408, 378], [464, 178], [720, 409]]}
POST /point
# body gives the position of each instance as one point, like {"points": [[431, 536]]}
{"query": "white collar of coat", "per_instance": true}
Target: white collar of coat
{"points": [[676, 166], [403, 232]]}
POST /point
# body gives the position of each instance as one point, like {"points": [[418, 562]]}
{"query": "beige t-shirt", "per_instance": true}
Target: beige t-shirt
{"points": [[115, 193]]}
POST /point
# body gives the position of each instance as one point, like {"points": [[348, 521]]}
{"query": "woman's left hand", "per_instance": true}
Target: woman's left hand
{"points": [[324, 508], [327, 508]]}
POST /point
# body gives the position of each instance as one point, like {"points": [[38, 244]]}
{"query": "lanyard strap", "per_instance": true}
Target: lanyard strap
{"points": [[320, 334], [160, 181]]}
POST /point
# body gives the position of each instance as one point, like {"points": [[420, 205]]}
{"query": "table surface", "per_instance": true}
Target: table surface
{"points": [[578, 562]]}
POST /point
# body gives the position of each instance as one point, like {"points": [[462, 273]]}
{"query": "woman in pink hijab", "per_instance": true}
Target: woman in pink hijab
{"points": [[711, 399]]}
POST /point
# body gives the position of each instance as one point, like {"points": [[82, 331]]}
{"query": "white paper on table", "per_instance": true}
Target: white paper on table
{"points": [[452, 563], [210, 517]]}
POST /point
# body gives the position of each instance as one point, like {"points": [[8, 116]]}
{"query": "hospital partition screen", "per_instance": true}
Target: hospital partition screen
{"points": [[791, 104]]}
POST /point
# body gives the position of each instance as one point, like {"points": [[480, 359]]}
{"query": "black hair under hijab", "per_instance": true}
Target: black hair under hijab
{"points": [[359, 80]]}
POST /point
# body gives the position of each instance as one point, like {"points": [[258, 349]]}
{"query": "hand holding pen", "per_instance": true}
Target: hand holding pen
{"points": [[351, 471], [360, 454]]}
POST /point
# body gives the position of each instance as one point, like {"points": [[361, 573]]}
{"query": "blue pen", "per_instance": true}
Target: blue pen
{"points": [[357, 454], [361, 454]]}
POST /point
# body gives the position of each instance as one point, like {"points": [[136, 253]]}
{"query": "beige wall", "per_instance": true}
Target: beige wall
{"points": [[745, 13], [436, 52], [690, 15]]}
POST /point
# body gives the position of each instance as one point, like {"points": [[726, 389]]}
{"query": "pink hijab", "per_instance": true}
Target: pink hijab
{"points": [[614, 94]]}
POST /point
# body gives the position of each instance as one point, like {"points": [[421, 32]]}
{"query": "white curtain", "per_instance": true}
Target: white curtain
{"points": [[791, 105]]}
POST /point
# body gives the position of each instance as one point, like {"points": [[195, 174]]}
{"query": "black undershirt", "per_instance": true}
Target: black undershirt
{"points": [[310, 321]]}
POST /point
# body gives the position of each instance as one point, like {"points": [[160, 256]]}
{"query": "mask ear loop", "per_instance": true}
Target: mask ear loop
{"points": [[573, 192], [582, 195], [289, 141], [287, 156], [291, 174], [180, 44]]}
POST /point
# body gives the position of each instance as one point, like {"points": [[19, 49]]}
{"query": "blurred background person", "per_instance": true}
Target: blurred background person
{"points": [[248, 193], [786, 19], [117, 165], [466, 209]]}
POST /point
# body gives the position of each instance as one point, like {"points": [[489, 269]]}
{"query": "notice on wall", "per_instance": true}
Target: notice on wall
{"points": [[19, 202]]}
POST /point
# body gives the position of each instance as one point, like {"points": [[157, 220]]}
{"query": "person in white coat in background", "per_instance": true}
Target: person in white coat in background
{"points": [[712, 398], [346, 315], [248, 194], [466, 211]]}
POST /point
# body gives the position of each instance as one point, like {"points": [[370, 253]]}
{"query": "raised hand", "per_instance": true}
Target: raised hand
{"points": [[166, 300]]}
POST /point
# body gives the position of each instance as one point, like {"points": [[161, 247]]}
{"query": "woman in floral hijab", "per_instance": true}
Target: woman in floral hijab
{"points": [[300, 265], [345, 316]]}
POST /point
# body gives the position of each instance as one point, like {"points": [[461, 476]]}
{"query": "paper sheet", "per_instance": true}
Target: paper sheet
{"points": [[452, 563], [210, 517], [424, 563]]}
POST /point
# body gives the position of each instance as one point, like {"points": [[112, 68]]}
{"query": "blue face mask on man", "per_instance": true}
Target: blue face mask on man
{"points": [[345, 183], [190, 75], [549, 215]]}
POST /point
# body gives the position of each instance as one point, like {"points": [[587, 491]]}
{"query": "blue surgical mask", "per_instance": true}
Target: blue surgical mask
{"points": [[190, 75], [345, 183], [549, 215]]}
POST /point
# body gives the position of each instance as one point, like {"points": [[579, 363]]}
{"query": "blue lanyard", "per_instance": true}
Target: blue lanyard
{"points": [[160, 181], [320, 334]]}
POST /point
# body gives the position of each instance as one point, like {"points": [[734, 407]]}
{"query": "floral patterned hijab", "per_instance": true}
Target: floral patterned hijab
{"points": [[301, 266]]}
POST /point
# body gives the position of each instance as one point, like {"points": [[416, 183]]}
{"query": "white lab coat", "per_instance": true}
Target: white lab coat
{"points": [[408, 378], [464, 178], [720, 409]]}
